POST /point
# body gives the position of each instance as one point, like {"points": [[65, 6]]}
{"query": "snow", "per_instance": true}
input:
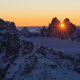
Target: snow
{"points": [[48, 66], [58, 59], [67, 45]]}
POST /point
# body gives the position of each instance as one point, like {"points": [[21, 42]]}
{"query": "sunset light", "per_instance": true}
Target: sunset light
{"points": [[39, 12], [62, 25], [39, 40]]}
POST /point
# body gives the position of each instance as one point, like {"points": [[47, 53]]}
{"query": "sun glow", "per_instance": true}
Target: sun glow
{"points": [[62, 25]]}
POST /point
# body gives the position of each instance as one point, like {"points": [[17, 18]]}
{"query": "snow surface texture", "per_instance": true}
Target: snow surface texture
{"points": [[57, 44], [47, 61], [44, 64], [38, 58]]}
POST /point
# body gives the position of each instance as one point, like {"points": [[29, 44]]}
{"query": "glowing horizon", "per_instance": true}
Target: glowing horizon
{"points": [[39, 12]]}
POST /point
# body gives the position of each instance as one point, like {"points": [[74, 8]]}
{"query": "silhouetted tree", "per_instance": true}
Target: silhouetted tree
{"points": [[7, 25], [25, 32], [43, 32], [70, 28], [78, 35], [52, 29]]}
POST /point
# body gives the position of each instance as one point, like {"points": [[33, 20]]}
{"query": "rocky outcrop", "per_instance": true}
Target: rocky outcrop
{"points": [[7, 25], [9, 45]]}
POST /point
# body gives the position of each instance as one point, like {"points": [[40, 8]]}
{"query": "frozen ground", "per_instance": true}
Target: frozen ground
{"points": [[57, 44]]}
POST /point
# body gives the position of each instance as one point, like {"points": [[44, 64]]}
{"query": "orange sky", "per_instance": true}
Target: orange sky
{"points": [[39, 12]]}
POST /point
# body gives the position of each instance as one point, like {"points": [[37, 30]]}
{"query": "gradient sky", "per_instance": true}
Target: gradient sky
{"points": [[39, 12]]}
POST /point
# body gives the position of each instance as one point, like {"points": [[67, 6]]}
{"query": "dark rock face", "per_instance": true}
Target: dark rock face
{"points": [[9, 45], [9, 39], [13, 46]]}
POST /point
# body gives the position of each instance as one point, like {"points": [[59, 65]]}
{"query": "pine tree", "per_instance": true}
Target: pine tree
{"points": [[43, 32]]}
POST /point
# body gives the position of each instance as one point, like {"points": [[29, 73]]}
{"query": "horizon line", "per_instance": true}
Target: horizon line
{"points": [[40, 26]]}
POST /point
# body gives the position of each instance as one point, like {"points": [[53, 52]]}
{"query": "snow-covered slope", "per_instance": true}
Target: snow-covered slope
{"points": [[44, 64], [57, 44], [40, 59], [37, 58]]}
